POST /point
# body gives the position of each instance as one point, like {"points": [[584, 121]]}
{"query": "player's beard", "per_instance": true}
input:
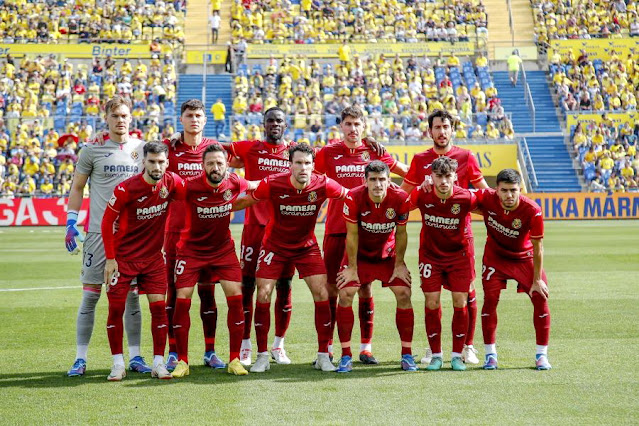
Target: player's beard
{"points": [[156, 175], [215, 178]]}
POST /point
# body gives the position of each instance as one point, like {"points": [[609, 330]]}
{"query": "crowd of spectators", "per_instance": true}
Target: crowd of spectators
{"points": [[585, 84], [49, 107], [122, 21], [608, 154], [397, 94], [319, 21], [584, 19]]}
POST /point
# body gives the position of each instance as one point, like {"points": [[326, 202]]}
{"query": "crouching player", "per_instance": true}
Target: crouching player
{"points": [[140, 205], [376, 214], [514, 250], [443, 256], [207, 249]]}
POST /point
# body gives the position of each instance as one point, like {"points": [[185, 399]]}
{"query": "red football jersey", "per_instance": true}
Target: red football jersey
{"points": [[376, 222], [443, 221], [510, 232], [261, 159], [345, 166], [142, 210], [186, 162], [294, 211], [208, 215]]}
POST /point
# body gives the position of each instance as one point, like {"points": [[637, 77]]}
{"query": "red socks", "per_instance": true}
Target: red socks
{"points": [[433, 319], [115, 327], [248, 290], [208, 313], [541, 319], [262, 325], [489, 317], [345, 321], [472, 317], [283, 307], [181, 327], [170, 310], [366, 314], [332, 302], [322, 325], [459, 327], [235, 322], [159, 327], [405, 320]]}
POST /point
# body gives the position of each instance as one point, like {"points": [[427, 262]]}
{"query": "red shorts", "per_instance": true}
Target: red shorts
{"points": [[252, 236], [471, 255], [334, 247], [370, 270], [170, 247], [454, 274], [272, 265], [150, 274], [189, 270], [497, 270]]}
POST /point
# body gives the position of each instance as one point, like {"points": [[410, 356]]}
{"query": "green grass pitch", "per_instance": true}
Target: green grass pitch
{"points": [[592, 268]]}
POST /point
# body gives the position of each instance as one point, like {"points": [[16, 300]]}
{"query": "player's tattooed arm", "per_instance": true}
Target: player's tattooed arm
{"points": [[538, 284]]}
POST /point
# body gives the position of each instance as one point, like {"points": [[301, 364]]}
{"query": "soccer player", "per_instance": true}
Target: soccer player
{"points": [[444, 260], [185, 159], [289, 241], [139, 205], [376, 214], [106, 164], [206, 249], [514, 250], [344, 162], [440, 128]]}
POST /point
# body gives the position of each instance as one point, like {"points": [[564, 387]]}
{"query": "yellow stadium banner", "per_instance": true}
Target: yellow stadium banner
{"points": [[80, 51], [492, 158], [572, 119], [208, 56], [600, 48], [324, 50], [585, 205]]}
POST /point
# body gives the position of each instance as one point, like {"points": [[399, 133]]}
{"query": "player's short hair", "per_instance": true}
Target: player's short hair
{"points": [[192, 104], [443, 115], [304, 148], [271, 109], [376, 166], [155, 148], [511, 176], [352, 111], [214, 147], [444, 165], [116, 102]]}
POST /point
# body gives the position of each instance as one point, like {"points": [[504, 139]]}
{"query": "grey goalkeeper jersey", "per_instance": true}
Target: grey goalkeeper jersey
{"points": [[107, 165]]}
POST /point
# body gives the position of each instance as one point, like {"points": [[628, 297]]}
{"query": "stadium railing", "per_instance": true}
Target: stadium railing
{"points": [[527, 164], [528, 97]]}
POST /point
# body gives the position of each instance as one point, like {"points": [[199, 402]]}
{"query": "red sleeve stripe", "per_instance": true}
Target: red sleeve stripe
{"points": [[411, 182], [537, 237], [350, 220], [478, 179]]}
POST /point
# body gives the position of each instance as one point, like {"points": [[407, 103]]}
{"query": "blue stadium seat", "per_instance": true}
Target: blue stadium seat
{"points": [[330, 120]]}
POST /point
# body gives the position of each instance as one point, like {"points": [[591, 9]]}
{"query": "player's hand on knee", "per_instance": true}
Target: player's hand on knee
{"points": [[401, 272], [111, 273], [346, 276], [540, 287], [72, 233], [427, 184]]}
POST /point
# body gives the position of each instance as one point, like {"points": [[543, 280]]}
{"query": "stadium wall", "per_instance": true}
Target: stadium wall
{"points": [[556, 206], [79, 51]]}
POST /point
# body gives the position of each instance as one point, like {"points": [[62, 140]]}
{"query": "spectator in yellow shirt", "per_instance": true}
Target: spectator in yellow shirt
{"points": [[219, 117]]}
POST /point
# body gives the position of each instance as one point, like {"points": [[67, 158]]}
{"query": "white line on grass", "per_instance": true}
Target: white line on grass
{"points": [[40, 288]]}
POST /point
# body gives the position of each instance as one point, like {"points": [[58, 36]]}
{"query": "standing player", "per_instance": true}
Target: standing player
{"points": [[514, 250], [185, 159], [207, 249], [376, 214], [440, 128], [140, 205], [444, 260], [106, 164], [289, 241], [344, 162]]}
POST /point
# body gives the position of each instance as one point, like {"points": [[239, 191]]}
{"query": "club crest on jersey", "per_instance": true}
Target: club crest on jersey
{"points": [[517, 223], [285, 154], [312, 197], [366, 156], [455, 209], [164, 193], [345, 210], [390, 213], [228, 194], [113, 200], [135, 155]]}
